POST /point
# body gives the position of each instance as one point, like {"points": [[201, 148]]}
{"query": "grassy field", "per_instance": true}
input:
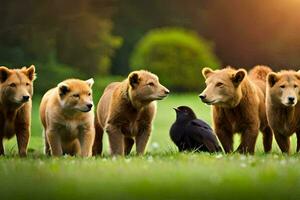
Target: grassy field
{"points": [[161, 174]]}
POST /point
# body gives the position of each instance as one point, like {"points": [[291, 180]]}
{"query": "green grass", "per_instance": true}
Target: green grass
{"points": [[161, 174]]}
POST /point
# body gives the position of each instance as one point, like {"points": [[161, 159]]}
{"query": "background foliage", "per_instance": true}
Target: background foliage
{"points": [[62, 38], [176, 55], [85, 38]]}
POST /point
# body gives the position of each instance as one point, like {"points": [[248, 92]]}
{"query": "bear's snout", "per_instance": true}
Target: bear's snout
{"points": [[202, 96], [166, 91], [89, 105], [25, 98]]}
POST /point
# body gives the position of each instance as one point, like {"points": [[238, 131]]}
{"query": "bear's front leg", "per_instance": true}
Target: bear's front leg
{"points": [[86, 142], [248, 140], [226, 138], [142, 138], [283, 142], [55, 143], [116, 140], [22, 134], [223, 129]]}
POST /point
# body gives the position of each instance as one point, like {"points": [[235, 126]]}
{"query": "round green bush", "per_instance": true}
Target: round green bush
{"points": [[176, 55]]}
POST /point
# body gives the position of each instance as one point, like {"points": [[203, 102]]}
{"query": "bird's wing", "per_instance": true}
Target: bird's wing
{"points": [[202, 133], [176, 134], [200, 123]]}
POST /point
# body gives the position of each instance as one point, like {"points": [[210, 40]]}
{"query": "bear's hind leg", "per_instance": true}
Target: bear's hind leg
{"points": [[267, 139], [97, 146]]}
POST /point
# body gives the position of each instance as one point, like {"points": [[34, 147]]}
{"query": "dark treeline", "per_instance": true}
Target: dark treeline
{"points": [[99, 35], [74, 33], [245, 33]]}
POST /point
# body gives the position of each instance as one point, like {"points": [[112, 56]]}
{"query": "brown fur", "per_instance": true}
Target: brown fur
{"points": [[284, 115], [15, 111], [238, 106], [68, 119], [259, 73], [126, 111]]}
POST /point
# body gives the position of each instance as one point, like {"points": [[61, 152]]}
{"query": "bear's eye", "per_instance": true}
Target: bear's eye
{"points": [[12, 85], [151, 84], [27, 84], [295, 86], [76, 95], [282, 86], [89, 94], [219, 84]]}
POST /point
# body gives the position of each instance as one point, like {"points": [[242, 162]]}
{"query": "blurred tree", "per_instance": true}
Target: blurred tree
{"points": [[176, 56], [81, 34], [76, 34], [245, 33], [134, 18]]}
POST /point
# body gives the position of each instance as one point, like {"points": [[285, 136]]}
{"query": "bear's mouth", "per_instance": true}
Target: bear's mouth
{"points": [[161, 97], [289, 104], [86, 110], [17, 101], [209, 102]]}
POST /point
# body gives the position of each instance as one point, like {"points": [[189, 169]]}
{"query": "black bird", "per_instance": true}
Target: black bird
{"points": [[192, 134]]}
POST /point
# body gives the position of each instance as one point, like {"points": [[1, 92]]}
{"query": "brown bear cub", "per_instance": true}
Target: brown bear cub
{"points": [[238, 103], [16, 90], [68, 118], [126, 111], [283, 107]]}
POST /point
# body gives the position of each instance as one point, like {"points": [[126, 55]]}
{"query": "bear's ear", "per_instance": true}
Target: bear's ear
{"points": [[239, 76], [206, 72], [298, 74], [90, 82], [272, 78], [4, 73], [133, 79], [63, 89], [30, 72]]}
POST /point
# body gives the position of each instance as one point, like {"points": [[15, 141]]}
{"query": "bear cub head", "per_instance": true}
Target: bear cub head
{"points": [[283, 87], [16, 85], [145, 87], [223, 87], [76, 95]]}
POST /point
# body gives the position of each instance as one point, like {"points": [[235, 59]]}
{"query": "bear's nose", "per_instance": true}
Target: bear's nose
{"points": [[89, 105], [202, 96], [291, 99], [25, 98], [167, 92]]}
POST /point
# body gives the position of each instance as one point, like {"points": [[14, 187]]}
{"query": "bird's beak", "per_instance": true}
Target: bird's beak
{"points": [[176, 109]]}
